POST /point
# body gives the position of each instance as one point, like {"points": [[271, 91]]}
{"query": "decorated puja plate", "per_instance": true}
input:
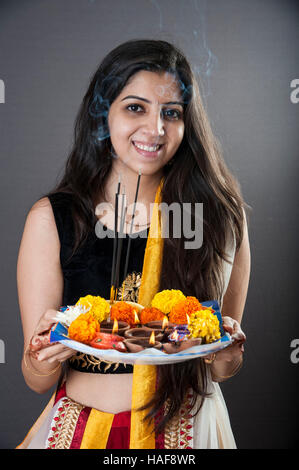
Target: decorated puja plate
{"points": [[129, 333]]}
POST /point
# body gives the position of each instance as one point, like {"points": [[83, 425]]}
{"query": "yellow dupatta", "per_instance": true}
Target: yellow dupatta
{"points": [[144, 376]]}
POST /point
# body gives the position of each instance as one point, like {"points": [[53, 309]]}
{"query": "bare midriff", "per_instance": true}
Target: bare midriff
{"points": [[111, 393]]}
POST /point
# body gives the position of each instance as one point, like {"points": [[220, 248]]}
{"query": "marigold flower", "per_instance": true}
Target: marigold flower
{"points": [[98, 306], [204, 324], [123, 311], [183, 308], [149, 314], [84, 328], [166, 299]]}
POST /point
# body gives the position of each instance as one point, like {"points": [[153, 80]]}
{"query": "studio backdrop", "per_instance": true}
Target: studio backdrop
{"points": [[245, 55]]}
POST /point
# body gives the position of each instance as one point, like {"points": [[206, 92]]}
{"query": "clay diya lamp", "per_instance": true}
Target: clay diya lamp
{"points": [[164, 326], [179, 340], [142, 332], [139, 344], [114, 326], [179, 346]]}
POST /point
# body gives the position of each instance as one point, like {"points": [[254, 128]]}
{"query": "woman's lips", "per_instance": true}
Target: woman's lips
{"points": [[146, 153]]}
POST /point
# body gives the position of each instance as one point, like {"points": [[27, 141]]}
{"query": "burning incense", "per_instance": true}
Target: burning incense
{"points": [[131, 228], [115, 243], [120, 242]]}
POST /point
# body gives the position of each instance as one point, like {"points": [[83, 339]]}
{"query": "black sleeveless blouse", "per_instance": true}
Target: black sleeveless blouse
{"points": [[88, 272]]}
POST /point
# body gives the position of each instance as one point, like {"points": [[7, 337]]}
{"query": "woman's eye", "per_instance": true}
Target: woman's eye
{"points": [[134, 107], [172, 114]]}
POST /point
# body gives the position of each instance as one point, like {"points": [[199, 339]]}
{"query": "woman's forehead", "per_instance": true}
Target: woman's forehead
{"points": [[154, 86]]}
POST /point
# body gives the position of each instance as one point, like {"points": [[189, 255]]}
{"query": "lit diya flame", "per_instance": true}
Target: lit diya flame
{"points": [[188, 318], [152, 339], [175, 336], [136, 318], [164, 323], [115, 326]]}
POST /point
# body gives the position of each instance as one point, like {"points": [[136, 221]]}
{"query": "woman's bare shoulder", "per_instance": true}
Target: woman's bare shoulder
{"points": [[41, 207], [41, 212], [40, 225]]}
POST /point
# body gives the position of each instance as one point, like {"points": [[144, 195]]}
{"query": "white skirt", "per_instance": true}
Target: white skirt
{"points": [[209, 429]]}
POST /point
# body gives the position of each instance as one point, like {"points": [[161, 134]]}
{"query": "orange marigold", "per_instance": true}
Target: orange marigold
{"points": [[123, 311], [84, 328], [151, 314], [179, 311]]}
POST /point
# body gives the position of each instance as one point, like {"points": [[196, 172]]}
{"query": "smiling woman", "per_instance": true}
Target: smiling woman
{"points": [[141, 113]]}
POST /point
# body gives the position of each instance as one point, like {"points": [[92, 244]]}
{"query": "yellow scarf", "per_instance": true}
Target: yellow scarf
{"points": [[142, 434]]}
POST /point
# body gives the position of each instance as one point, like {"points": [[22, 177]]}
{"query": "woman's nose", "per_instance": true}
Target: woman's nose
{"points": [[154, 124]]}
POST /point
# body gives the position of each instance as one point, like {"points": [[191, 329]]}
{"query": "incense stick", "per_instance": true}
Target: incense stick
{"points": [[119, 246], [115, 242], [131, 228]]}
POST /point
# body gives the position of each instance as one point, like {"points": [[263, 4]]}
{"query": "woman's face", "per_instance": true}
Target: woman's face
{"points": [[146, 122]]}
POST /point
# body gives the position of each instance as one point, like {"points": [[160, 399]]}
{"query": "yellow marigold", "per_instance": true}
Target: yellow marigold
{"points": [[150, 314], [204, 324], [183, 308], [166, 299], [123, 311], [98, 306], [84, 328]]}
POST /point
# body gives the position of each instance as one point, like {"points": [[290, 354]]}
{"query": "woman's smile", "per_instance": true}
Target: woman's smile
{"points": [[148, 150]]}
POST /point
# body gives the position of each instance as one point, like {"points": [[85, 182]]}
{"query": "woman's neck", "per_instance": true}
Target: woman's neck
{"points": [[146, 194], [147, 187]]}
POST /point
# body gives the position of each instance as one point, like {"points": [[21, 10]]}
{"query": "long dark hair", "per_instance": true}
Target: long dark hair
{"points": [[198, 173]]}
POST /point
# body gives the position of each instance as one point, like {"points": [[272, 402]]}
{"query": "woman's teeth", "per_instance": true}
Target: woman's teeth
{"points": [[147, 148]]}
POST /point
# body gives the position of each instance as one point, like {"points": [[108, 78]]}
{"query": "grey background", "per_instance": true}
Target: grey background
{"points": [[246, 54]]}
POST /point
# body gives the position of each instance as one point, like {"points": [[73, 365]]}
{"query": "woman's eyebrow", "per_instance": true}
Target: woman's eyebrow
{"points": [[147, 101]]}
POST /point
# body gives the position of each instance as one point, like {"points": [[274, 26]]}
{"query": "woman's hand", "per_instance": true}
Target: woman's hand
{"points": [[40, 347], [237, 335], [225, 363]]}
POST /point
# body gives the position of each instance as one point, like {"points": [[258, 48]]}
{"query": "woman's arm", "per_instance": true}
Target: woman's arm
{"points": [[40, 288], [236, 293], [232, 311]]}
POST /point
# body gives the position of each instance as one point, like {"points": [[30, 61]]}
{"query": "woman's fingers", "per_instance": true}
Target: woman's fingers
{"points": [[234, 329], [238, 334], [50, 353], [45, 323], [238, 337], [40, 338], [63, 356], [228, 324]]}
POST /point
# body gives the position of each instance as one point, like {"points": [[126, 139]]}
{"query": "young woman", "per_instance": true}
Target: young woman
{"points": [[142, 112]]}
